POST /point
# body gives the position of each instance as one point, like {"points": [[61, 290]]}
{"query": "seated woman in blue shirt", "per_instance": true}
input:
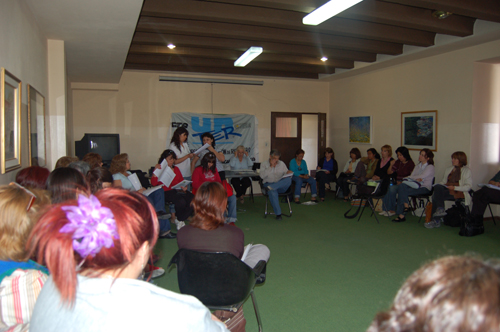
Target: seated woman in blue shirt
{"points": [[240, 161], [301, 174], [329, 168]]}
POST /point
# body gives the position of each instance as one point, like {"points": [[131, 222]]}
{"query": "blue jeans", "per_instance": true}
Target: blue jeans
{"points": [[164, 225], [298, 185], [157, 199], [389, 200], [403, 192], [277, 188], [231, 209]]}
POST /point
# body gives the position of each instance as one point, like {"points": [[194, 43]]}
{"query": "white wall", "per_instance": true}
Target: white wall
{"points": [[139, 108], [485, 135], [444, 83], [23, 52]]}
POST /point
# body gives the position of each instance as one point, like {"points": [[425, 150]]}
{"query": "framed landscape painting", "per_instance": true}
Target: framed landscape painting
{"points": [[419, 130], [10, 122], [360, 129]]}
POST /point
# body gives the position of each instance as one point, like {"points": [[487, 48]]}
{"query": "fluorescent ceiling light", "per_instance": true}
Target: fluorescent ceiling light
{"points": [[324, 59], [171, 46], [329, 9], [248, 56]]}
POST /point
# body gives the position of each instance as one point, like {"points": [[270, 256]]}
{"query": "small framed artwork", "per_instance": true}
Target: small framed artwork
{"points": [[360, 129], [36, 127], [419, 130], [10, 120]]}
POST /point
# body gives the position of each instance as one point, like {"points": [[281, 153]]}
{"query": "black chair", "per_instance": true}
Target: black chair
{"points": [[492, 216], [378, 193], [286, 195], [219, 280], [423, 197]]}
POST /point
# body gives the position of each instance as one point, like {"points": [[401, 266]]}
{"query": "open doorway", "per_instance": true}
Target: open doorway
{"points": [[291, 131]]}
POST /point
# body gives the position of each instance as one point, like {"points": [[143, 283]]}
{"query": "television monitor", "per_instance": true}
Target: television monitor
{"points": [[106, 145]]}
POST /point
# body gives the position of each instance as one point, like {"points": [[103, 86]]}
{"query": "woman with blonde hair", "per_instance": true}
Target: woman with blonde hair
{"points": [[241, 161], [96, 248], [120, 168], [21, 279]]}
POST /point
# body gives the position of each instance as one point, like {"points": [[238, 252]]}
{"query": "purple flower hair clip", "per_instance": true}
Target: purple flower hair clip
{"points": [[93, 226]]}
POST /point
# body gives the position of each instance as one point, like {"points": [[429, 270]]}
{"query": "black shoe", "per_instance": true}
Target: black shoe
{"points": [[398, 219], [297, 202], [279, 217], [169, 235]]}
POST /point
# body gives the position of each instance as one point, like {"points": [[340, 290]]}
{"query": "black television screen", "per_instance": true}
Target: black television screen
{"points": [[106, 145]]}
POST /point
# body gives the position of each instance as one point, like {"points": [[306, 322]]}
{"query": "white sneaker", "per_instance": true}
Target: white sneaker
{"points": [[179, 224], [440, 212], [384, 213], [390, 214]]}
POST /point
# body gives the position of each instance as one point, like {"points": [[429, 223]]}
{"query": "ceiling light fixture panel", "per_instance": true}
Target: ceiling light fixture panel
{"points": [[328, 10], [248, 56]]}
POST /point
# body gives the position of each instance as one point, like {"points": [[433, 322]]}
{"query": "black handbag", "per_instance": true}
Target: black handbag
{"points": [[472, 226]]}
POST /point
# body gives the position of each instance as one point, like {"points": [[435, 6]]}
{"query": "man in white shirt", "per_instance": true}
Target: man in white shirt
{"points": [[272, 172]]}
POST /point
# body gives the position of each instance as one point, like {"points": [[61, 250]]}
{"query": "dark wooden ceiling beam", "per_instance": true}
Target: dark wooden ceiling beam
{"points": [[226, 30], [242, 45], [304, 6], [378, 11], [230, 71], [269, 17], [233, 55], [192, 61], [410, 17], [488, 10]]}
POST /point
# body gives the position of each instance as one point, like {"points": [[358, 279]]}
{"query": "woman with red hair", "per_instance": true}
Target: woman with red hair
{"points": [[207, 231], [95, 249], [33, 177]]}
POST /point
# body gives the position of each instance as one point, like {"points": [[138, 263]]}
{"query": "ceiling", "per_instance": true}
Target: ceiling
{"points": [[102, 38], [96, 34], [210, 35]]}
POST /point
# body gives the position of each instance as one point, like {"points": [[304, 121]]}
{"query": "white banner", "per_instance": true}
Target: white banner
{"points": [[229, 131]]}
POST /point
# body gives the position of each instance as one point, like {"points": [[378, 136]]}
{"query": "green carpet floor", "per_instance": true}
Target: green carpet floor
{"points": [[328, 273]]}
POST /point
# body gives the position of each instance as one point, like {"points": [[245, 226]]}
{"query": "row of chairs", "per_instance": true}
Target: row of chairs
{"points": [[425, 197]]}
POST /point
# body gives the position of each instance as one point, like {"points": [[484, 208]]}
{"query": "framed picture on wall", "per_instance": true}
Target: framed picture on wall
{"points": [[360, 129], [36, 127], [419, 130], [10, 120]]}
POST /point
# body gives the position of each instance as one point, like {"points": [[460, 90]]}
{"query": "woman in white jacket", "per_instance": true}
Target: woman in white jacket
{"points": [[456, 184]]}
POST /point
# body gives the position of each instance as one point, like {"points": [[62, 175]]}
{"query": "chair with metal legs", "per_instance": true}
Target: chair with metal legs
{"points": [[286, 194], [220, 280]]}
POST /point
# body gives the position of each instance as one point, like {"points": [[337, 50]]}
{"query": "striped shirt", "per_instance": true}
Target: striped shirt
{"points": [[18, 294]]}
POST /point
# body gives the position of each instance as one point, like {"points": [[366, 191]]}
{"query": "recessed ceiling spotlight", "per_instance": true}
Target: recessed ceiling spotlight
{"points": [[324, 58], [441, 14], [171, 46]]}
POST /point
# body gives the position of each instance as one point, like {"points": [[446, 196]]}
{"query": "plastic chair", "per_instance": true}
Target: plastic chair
{"points": [[219, 280], [286, 194]]}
